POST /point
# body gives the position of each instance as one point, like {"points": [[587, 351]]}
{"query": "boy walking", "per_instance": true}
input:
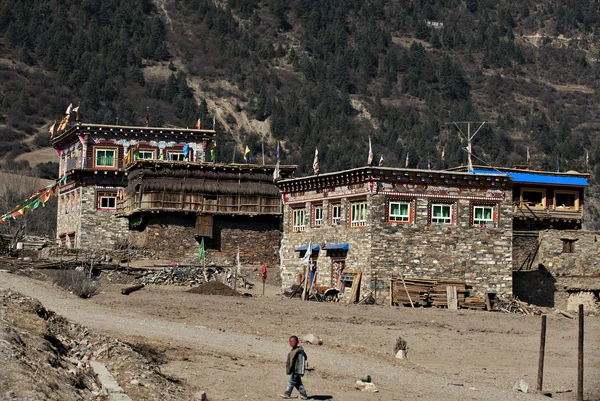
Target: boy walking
{"points": [[294, 366]]}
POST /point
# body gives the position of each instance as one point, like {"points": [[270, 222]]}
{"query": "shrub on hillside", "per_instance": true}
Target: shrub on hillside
{"points": [[77, 282]]}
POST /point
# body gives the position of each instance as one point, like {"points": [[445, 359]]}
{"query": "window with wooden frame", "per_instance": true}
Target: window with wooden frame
{"points": [[145, 154], [317, 215], [566, 200], [298, 219], [442, 214], [400, 211], [176, 156], [568, 245], [335, 213], [533, 198], [107, 200], [105, 158], [358, 214], [484, 216]]}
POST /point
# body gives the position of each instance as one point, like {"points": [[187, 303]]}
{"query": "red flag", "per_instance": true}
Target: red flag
{"points": [[264, 272]]}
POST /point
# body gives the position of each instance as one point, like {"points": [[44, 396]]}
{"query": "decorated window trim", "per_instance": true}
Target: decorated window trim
{"points": [[333, 220], [106, 200], [298, 217], [147, 151], [576, 203], [484, 223], [532, 205], [317, 214], [355, 206], [441, 203], [179, 153], [104, 149], [411, 210]]}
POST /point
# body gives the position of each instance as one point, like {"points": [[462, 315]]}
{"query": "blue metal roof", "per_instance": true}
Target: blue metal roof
{"points": [[343, 247], [303, 248], [537, 178]]}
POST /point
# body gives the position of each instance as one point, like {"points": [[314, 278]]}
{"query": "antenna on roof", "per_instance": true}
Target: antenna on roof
{"points": [[469, 137]]}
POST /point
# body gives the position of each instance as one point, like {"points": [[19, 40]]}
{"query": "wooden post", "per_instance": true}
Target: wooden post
{"points": [[391, 292], [375, 291], [305, 282], [540, 378], [263, 288], [406, 289], [451, 297], [580, 357]]}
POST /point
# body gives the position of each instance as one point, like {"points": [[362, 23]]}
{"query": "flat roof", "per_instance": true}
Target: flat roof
{"points": [[538, 177]]}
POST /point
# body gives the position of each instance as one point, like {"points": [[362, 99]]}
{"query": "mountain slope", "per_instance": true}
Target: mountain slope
{"points": [[324, 74]]}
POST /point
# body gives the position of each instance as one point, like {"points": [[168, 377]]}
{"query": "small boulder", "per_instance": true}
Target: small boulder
{"points": [[312, 339], [521, 385], [367, 387]]}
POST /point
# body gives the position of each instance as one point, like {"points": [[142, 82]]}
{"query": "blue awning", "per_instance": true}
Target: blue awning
{"points": [[538, 178], [303, 248], [341, 247]]}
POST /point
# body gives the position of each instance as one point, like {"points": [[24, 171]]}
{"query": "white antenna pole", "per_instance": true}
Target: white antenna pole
{"points": [[469, 137]]}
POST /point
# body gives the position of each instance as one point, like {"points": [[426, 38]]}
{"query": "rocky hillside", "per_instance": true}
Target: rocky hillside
{"points": [[324, 74]]}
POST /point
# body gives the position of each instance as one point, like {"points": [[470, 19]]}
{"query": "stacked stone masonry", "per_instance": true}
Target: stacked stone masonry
{"points": [[481, 256]]}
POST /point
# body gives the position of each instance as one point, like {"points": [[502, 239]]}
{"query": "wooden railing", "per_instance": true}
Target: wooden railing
{"points": [[219, 204], [547, 212]]}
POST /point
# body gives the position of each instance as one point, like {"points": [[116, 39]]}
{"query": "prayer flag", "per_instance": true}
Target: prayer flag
{"points": [[528, 157], [264, 272], [201, 250], [247, 154], [136, 151], [308, 254], [76, 110], [278, 152], [406, 163], [51, 130], [381, 161], [316, 162], [214, 121], [69, 109], [370, 159], [186, 151], [213, 151], [428, 165], [276, 172], [161, 156], [237, 262], [198, 124], [128, 156], [147, 116], [443, 154]]}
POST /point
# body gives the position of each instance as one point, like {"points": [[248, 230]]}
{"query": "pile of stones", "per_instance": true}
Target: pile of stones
{"points": [[188, 276]]}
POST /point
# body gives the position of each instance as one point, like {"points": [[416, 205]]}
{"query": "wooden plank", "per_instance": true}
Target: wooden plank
{"points": [[451, 297], [204, 225]]}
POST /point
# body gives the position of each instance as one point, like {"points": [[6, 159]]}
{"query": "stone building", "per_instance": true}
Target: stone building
{"points": [[94, 158], [554, 259], [385, 222], [172, 206]]}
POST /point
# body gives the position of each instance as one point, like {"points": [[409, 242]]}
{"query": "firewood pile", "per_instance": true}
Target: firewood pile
{"points": [[427, 292], [513, 305]]}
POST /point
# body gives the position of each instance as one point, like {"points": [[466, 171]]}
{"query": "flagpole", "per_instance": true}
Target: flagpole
{"points": [[262, 144]]}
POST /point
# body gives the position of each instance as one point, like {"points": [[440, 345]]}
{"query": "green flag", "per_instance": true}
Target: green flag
{"points": [[213, 151], [201, 251]]}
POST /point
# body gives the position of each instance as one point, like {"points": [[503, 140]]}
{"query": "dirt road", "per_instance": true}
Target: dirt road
{"points": [[234, 348]]}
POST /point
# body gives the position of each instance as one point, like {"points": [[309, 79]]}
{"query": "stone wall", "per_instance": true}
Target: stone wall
{"points": [[524, 244], [68, 214], [171, 236], [560, 274], [99, 228], [359, 240], [481, 256], [585, 260]]}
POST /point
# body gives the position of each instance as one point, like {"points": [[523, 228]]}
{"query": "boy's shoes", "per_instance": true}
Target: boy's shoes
{"points": [[303, 397], [287, 397]]}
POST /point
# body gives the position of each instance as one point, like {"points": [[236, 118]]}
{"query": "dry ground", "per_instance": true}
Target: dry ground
{"points": [[234, 348]]}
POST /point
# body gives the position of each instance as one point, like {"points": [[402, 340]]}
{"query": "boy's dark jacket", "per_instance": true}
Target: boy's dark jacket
{"points": [[296, 361]]}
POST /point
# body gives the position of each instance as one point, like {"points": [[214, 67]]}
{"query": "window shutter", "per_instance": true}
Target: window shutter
{"points": [[204, 226]]}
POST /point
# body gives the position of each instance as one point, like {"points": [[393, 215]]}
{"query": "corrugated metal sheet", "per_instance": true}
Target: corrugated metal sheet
{"points": [[533, 178], [343, 247]]}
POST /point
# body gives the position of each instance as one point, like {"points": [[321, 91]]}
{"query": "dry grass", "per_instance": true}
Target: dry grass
{"points": [[76, 282]]}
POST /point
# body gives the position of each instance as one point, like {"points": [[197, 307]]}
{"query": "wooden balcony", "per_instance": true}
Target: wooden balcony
{"points": [[523, 211]]}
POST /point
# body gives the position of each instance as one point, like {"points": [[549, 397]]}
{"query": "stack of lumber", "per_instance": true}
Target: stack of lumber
{"points": [[428, 292], [418, 289], [438, 296], [476, 303]]}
